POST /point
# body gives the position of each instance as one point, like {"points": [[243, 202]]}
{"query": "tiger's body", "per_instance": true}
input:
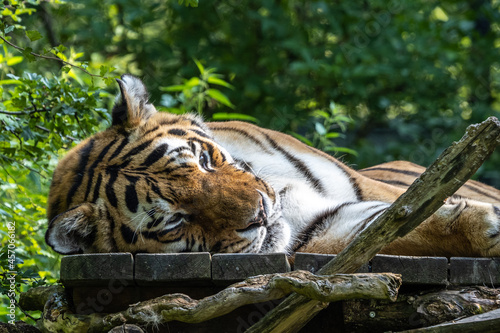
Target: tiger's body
{"points": [[158, 182]]}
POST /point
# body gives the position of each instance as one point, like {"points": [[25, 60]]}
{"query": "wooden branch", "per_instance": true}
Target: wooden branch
{"points": [[488, 322], [35, 298], [446, 175], [257, 289], [418, 309]]}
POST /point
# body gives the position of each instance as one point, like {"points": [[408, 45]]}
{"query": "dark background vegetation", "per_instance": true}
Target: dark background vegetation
{"points": [[368, 81]]}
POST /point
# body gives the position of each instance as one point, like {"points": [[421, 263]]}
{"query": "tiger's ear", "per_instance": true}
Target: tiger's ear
{"points": [[73, 231], [131, 107]]}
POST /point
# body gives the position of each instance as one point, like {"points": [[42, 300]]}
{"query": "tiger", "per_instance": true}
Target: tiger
{"points": [[158, 182]]}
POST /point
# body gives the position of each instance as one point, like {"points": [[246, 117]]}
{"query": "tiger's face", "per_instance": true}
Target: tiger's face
{"points": [[157, 182]]}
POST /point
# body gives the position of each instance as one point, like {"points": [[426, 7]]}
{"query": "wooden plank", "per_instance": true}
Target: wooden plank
{"points": [[413, 270], [470, 271], [313, 262], [228, 268], [97, 269], [173, 269]]}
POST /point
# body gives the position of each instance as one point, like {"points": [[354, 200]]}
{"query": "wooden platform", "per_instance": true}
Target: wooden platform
{"points": [[110, 282]]}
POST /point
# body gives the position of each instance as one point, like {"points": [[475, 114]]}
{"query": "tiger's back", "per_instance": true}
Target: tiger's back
{"points": [[402, 174]]}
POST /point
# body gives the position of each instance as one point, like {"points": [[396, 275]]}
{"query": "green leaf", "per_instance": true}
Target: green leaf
{"points": [[177, 87], [219, 97], [342, 150], [61, 48], [14, 60], [27, 54], [4, 82], [200, 66], [109, 81], [103, 70], [320, 128], [234, 116], [9, 28], [33, 35], [302, 138], [192, 82], [220, 82], [332, 135]]}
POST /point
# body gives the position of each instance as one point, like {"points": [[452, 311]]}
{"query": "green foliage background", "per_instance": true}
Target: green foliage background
{"points": [[386, 79]]}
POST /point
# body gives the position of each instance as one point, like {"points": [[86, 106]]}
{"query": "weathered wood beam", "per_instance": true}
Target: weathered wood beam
{"points": [[488, 322], [445, 176], [419, 308]]}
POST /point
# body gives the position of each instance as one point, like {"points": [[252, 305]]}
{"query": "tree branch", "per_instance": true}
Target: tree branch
{"points": [[27, 112], [52, 58], [446, 175], [181, 307]]}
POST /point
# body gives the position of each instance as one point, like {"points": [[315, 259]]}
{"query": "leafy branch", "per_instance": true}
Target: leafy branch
{"points": [[28, 52], [24, 112]]}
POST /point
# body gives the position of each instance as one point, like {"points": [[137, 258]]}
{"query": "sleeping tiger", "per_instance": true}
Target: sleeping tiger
{"points": [[159, 182]]}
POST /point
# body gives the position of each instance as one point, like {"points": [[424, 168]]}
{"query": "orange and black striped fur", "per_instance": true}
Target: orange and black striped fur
{"points": [[158, 182]]}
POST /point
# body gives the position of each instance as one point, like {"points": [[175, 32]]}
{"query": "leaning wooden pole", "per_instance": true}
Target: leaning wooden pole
{"points": [[445, 176]]}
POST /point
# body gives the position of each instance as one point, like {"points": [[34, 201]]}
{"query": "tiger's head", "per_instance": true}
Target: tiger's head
{"points": [[158, 182]]}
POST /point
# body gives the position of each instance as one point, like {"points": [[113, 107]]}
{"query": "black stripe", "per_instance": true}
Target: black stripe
{"points": [[166, 231], [201, 133], [156, 189], [119, 149], [110, 193], [195, 123], [247, 166], [317, 224], [91, 170], [54, 208], [131, 199], [246, 135], [216, 248], [179, 149], [177, 132], [128, 234], [171, 121], [404, 172], [298, 164], [137, 150], [475, 189], [113, 246], [80, 171], [151, 130], [97, 188], [155, 155], [155, 222], [392, 182], [367, 220]]}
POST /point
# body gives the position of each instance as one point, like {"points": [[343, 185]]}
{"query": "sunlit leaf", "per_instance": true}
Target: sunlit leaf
{"points": [[219, 97], [220, 116], [220, 82]]}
